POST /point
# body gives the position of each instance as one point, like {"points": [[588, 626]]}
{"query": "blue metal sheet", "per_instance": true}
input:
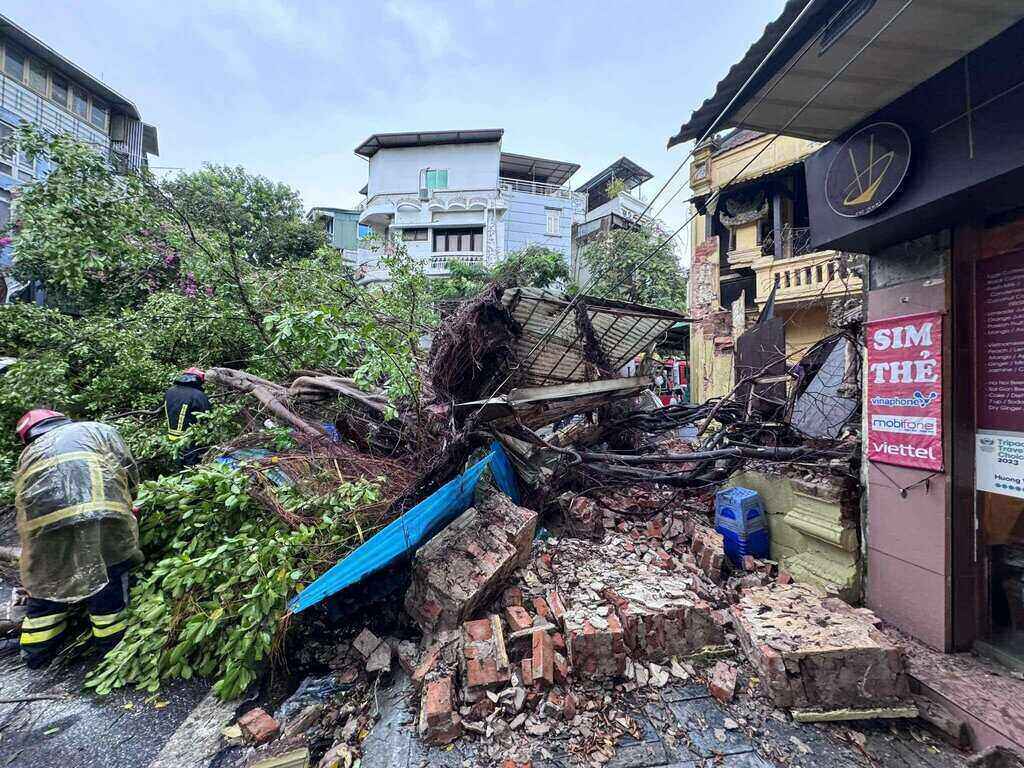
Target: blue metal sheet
{"points": [[412, 529]]}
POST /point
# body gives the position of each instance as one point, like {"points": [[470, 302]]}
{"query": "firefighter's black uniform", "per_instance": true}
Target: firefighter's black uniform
{"points": [[182, 403]]}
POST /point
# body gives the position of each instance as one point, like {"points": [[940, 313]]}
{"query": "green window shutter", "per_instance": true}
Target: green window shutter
{"points": [[437, 179]]}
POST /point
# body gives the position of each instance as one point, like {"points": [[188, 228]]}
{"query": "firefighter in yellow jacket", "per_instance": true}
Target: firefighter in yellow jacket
{"points": [[79, 538]]}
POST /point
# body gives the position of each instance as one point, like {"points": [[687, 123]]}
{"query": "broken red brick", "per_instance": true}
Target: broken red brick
{"points": [[257, 726], [512, 596], [427, 664], [583, 518], [557, 607], [543, 658], [541, 607], [561, 669], [749, 563], [439, 723], [518, 618], [526, 671], [784, 578], [722, 684], [558, 642], [484, 657]]}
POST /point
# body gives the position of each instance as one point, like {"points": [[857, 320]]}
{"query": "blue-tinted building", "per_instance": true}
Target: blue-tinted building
{"points": [[39, 86]]}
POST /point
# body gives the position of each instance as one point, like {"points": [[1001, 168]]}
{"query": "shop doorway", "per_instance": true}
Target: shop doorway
{"points": [[998, 356]]}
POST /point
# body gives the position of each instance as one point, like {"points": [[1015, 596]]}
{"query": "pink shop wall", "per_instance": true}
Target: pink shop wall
{"points": [[907, 534]]}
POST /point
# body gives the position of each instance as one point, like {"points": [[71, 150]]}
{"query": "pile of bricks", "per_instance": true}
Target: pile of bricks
{"points": [[620, 607], [464, 566], [816, 652]]}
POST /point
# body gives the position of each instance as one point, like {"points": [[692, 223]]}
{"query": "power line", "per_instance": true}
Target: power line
{"points": [[717, 193]]}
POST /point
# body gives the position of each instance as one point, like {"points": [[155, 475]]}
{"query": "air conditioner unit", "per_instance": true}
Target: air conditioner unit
{"points": [[424, 193]]}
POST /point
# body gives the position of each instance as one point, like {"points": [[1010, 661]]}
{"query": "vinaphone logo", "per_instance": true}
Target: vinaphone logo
{"points": [[868, 169]]}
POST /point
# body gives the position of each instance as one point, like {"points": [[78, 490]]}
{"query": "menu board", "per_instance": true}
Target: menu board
{"points": [[999, 443], [999, 290], [904, 391]]}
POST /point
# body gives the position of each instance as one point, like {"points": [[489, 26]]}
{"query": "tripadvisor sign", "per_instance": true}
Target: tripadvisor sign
{"points": [[868, 170]]}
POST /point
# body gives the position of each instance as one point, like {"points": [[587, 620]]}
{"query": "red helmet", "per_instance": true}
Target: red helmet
{"points": [[199, 373], [34, 418]]}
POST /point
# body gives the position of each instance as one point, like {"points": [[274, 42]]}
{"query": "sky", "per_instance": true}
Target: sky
{"points": [[288, 89]]}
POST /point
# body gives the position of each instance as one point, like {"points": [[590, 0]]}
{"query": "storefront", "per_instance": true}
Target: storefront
{"points": [[931, 187]]}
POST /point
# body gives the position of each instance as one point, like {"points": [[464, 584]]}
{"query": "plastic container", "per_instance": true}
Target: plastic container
{"points": [[740, 518]]}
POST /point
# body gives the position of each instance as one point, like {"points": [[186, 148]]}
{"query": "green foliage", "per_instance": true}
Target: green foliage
{"points": [[615, 187], [533, 265], [92, 236], [623, 268], [211, 600], [251, 215]]}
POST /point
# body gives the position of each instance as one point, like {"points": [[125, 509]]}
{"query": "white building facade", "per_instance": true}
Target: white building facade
{"points": [[456, 196]]}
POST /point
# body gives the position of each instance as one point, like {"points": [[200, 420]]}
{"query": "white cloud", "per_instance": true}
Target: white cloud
{"points": [[428, 27], [308, 30]]}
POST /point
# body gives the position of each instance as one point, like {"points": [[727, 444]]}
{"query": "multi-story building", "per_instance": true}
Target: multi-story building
{"points": [[342, 228], [612, 201], [455, 195], [751, 241], [41, 87]]}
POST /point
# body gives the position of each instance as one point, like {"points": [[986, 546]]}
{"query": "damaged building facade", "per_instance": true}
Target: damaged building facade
{"points": [[921, 170], [751, 242]]}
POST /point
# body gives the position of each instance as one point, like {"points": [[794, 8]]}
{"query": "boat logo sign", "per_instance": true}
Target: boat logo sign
{"points": [[868, 169]]}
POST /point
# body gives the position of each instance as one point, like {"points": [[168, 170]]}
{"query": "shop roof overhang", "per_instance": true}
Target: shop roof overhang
{"points": [[760, 177], [379, 141], [814, 41], [555, 172], [623, 168]]}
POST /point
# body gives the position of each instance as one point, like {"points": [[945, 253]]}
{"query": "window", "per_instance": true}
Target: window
{"points": [[5, 209], [436, 179], [14, 62], [459, 240], [363, 231], [415, 234], [12, 162], [554, 221], [328, 221], [37, 76], [80, 102], [99, 115], [6, 151], [59, 91]]}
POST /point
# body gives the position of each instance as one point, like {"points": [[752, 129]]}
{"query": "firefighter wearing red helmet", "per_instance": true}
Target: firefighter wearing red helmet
{"points": [[182, 403], [73, 496]]}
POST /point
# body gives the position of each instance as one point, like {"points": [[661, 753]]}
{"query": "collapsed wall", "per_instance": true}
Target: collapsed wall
{"points": [[464, 566], [619, 605], [812, 651]]}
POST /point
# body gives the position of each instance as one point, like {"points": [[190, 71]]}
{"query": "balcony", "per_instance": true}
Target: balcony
{"points": [[534, 188], [806, 277], [382, 208], [796, 241]]}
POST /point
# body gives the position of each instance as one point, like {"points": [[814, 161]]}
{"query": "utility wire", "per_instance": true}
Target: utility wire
{"points": [[714, 196]]}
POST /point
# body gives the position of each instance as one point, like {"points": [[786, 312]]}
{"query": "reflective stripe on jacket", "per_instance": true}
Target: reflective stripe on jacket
{"points": [[73, 496], [182, 403]]}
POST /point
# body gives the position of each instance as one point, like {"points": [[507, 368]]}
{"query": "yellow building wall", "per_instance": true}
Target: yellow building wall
{"points": [[804, 326]]}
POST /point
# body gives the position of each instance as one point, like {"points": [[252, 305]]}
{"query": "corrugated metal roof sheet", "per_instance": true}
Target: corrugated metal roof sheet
{"points": [[622, 330]]}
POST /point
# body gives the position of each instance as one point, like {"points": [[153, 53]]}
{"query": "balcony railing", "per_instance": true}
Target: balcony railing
{"points": [[812, 276], [796, 241], [534, 188]]}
